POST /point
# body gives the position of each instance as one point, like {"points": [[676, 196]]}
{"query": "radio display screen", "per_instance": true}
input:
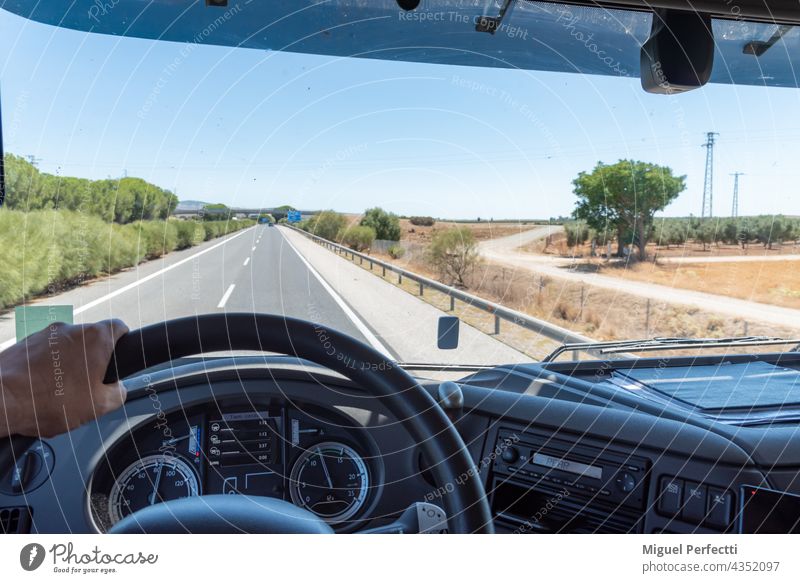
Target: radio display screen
{"points": [[565, 465], [769, 512]]}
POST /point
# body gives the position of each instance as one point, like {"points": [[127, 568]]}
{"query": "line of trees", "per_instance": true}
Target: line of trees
{"points": [[765, 230], [618, 202], [452, 253], [121, 200], [376, 223]]}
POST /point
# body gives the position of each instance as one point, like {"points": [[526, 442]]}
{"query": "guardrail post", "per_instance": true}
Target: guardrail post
{"points": [[496, 324], [420, 288], [371, 263], [360, 260], [452, 303], [384, 271], [399, 278]]}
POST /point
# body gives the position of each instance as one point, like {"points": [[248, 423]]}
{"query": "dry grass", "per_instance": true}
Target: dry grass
{"points": [[482, 231], [770, 282], [595, 312]]}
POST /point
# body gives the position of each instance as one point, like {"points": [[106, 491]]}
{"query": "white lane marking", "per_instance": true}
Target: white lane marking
{"points": [[254, 248], [138, 282], [362, 327], [226, 295], [246, 261]]}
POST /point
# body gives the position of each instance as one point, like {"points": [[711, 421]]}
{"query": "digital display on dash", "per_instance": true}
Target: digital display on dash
{"points": [[766, 511], [557, 463]]}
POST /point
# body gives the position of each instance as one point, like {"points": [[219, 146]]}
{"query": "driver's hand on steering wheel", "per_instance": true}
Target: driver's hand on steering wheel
{"points": [[52, 381]]}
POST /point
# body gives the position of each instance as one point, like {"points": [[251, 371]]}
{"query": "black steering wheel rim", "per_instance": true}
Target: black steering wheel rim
{"points": [[462, 493]]}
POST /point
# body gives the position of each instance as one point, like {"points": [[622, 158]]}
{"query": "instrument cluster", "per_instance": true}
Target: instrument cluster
{"points": [[317, 459]]}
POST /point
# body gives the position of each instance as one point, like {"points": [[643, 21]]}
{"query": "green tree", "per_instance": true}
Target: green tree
{"points": [[386, 225], [326, 224], [122, 200], [357, 238], [624, 197], [454, 254], [216, 212]]}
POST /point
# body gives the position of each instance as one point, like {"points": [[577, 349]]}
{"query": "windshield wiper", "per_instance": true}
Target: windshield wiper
{"points": [[668, 343]]}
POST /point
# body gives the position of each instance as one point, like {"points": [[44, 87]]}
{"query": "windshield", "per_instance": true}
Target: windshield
{"points": [[540, 201]]}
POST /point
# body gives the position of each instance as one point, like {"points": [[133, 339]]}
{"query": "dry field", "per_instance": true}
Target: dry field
{"points": [[769, 282], [482, 231], [598, 313]]}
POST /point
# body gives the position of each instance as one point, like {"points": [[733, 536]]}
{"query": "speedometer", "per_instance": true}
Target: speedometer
{"points": [[150, 480], [331, 480]]}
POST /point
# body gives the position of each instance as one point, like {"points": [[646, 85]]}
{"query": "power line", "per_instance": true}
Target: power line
{"points": [[708, 183], [735, 206]]}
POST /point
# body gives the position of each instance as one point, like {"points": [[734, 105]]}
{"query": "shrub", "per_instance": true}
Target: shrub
{"points": [[386, 225], [188, 234], [454, 254], [358, 238], [327, 224], [422, 221], [396, 251], [156, 238], [46, 250]]}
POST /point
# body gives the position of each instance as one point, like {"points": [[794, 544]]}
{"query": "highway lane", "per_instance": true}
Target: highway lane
{"points": [[253, 270]]}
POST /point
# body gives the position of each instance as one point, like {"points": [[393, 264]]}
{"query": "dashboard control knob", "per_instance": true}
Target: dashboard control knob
{"points": [[626, 482], [510, 455]]}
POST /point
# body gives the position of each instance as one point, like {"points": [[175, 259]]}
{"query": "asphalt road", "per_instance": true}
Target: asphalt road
{"points": [[255, 270]]}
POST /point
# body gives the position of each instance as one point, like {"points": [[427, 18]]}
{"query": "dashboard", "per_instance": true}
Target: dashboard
{"points": [[556, 451], [309, 456]]}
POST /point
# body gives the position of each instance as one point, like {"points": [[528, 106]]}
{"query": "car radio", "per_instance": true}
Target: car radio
{"points": [[530, 469]]}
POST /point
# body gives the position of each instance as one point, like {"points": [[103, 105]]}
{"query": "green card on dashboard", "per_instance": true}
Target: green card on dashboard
{"points": [[31, 319]]}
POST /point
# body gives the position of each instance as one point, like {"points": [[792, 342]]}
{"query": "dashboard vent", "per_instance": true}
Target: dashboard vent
{"points": [[16, 520]]}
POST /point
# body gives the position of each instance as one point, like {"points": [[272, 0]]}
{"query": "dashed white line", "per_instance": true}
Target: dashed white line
{"points": [[246, 261], [254, 248], [225, 297]]}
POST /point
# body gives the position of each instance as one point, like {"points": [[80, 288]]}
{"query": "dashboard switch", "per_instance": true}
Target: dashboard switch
{"points": [[671, 498], [694, 502], [720, 507], [510, 454]]}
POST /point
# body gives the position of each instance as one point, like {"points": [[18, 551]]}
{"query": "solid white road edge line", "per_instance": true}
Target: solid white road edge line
{"points": [[362, 327], [138, 282], [226, 295]]}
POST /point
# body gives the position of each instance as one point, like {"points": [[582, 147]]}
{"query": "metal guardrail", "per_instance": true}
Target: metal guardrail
{"points": [[500, 312]]}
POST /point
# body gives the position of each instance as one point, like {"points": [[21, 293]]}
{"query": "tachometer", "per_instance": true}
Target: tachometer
{"points": [[331, 480], [150, 480]]}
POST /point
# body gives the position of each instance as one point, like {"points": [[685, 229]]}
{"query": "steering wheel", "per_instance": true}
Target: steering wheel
{"points": [[463, 494]]}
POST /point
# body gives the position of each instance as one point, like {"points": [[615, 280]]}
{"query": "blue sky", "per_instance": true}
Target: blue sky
{"points": [[255, 128]]}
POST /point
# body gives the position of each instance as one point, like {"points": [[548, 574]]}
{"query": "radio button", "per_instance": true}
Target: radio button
{"points": [[510, 455], [671, 499], [625, 482], [694, 506], [720, 505]]}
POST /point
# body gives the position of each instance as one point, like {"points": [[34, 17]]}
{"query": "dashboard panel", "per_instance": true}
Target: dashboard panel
{"points": [[316, 458], [555, 453]]}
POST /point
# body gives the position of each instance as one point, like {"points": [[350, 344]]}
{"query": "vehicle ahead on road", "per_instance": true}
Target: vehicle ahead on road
{"points": [[267, 389]]}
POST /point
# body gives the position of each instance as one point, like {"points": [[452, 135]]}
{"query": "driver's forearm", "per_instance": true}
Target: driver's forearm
{"points": [[9, 412]]}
